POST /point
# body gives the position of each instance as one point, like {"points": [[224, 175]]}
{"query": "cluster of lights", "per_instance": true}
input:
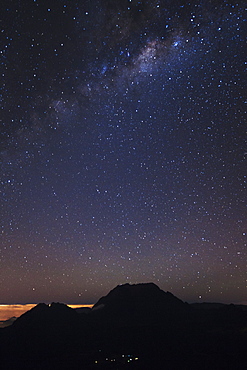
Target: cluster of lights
{"points": [[125, 358]]}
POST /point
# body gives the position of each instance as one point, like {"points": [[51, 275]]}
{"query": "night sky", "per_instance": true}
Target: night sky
{"points": [[123, 149]]}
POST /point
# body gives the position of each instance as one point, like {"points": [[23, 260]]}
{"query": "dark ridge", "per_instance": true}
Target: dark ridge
{"points": [[140, 303], [126, 294], [134, 326], [46, 318]]}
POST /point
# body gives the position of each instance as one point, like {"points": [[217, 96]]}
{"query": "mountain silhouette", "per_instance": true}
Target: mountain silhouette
{"points": [[134, 326], [44, 315], [138, 304], [138, 296]]}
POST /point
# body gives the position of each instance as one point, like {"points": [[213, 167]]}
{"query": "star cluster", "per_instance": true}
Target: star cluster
{"points": [[123, 149]]}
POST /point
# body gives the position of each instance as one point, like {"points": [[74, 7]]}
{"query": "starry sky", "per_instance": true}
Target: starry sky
{"points": [[123, 149]]}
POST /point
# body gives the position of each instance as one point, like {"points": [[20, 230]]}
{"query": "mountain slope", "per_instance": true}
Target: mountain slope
{"points": [[131, 322]]}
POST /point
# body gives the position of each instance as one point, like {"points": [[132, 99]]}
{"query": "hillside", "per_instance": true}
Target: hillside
{"points": [[133, 326]]}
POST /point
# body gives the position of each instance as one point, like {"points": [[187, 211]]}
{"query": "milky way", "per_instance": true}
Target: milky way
{"points": [[123, 149]]}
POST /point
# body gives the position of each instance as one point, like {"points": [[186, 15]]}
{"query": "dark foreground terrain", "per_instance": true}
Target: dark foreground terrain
{"points": [[133, 327]]}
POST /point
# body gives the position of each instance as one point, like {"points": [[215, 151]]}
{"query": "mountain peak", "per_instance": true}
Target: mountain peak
{"points": [[146, 299], [42, 313]]}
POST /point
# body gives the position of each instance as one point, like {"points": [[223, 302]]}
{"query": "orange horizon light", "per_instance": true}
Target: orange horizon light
{"points": [[8, 311]]}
